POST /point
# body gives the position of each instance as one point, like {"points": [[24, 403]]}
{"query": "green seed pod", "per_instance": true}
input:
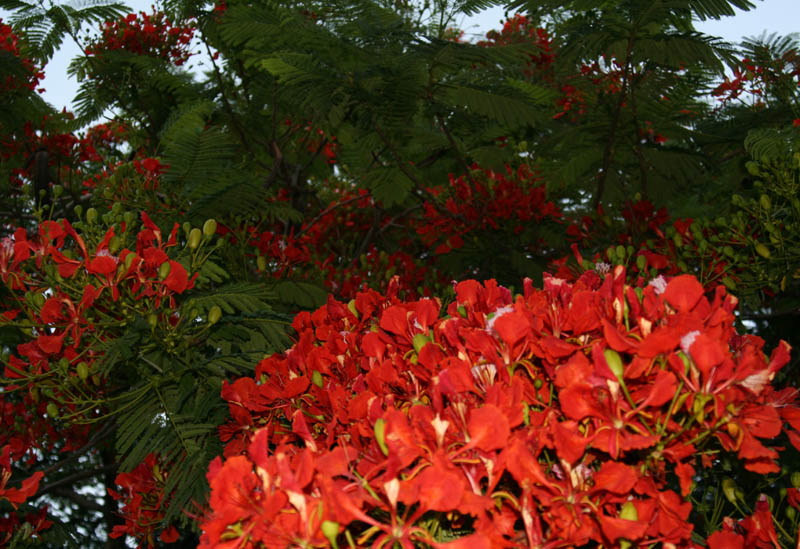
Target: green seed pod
{"points": [[52, 410], [163, 271], [209, 228], [91, 216], [762, 250], [58, 190], [152, 320], [38, 299], [78, 210], [791, 513], [766, 203], [316, 379], [380, 435], [195, 236], [83, 370], [620, 252], [614, 362], [214, 314], [129, 218], [641, 262]]}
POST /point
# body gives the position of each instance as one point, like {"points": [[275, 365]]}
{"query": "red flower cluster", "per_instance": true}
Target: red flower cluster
{"points": [[145, 34], [66, 318], [17, 496], [143, 508], [503, 420], [519, 29], [9, 42], [486, 200], [317, 250], [758, 78]]}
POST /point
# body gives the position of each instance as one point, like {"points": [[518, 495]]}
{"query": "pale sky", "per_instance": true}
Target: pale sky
{"points": [[781, 16]]}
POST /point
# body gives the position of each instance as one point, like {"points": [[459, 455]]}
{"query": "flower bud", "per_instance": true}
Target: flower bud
{"points": [[420, 340], [330, 530], [194, 238], [628, 511], [209, 228], [214, 314], [614, 362], [91, 216], [52, 410], [380, 435], [729, 489]]}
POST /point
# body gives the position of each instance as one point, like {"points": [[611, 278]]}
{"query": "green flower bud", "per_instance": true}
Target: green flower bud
{"points": [[614, 362], [420, 340], [91, 216], [729, 489], [195, 236], [762, 250], [628, 511], [214, 314], [330, 530], [52, 410], [209, 228], [380, 435], [114, 244]]}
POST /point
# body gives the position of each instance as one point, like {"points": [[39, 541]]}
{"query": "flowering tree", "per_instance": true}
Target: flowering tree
{"points": [[365, 282]]}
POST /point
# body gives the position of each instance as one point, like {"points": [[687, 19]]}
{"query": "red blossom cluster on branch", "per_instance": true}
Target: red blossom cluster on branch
{"points": [[9, 42], [757, 79], [145, 34], [485, 200], [142, 496], [503, 419]]}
